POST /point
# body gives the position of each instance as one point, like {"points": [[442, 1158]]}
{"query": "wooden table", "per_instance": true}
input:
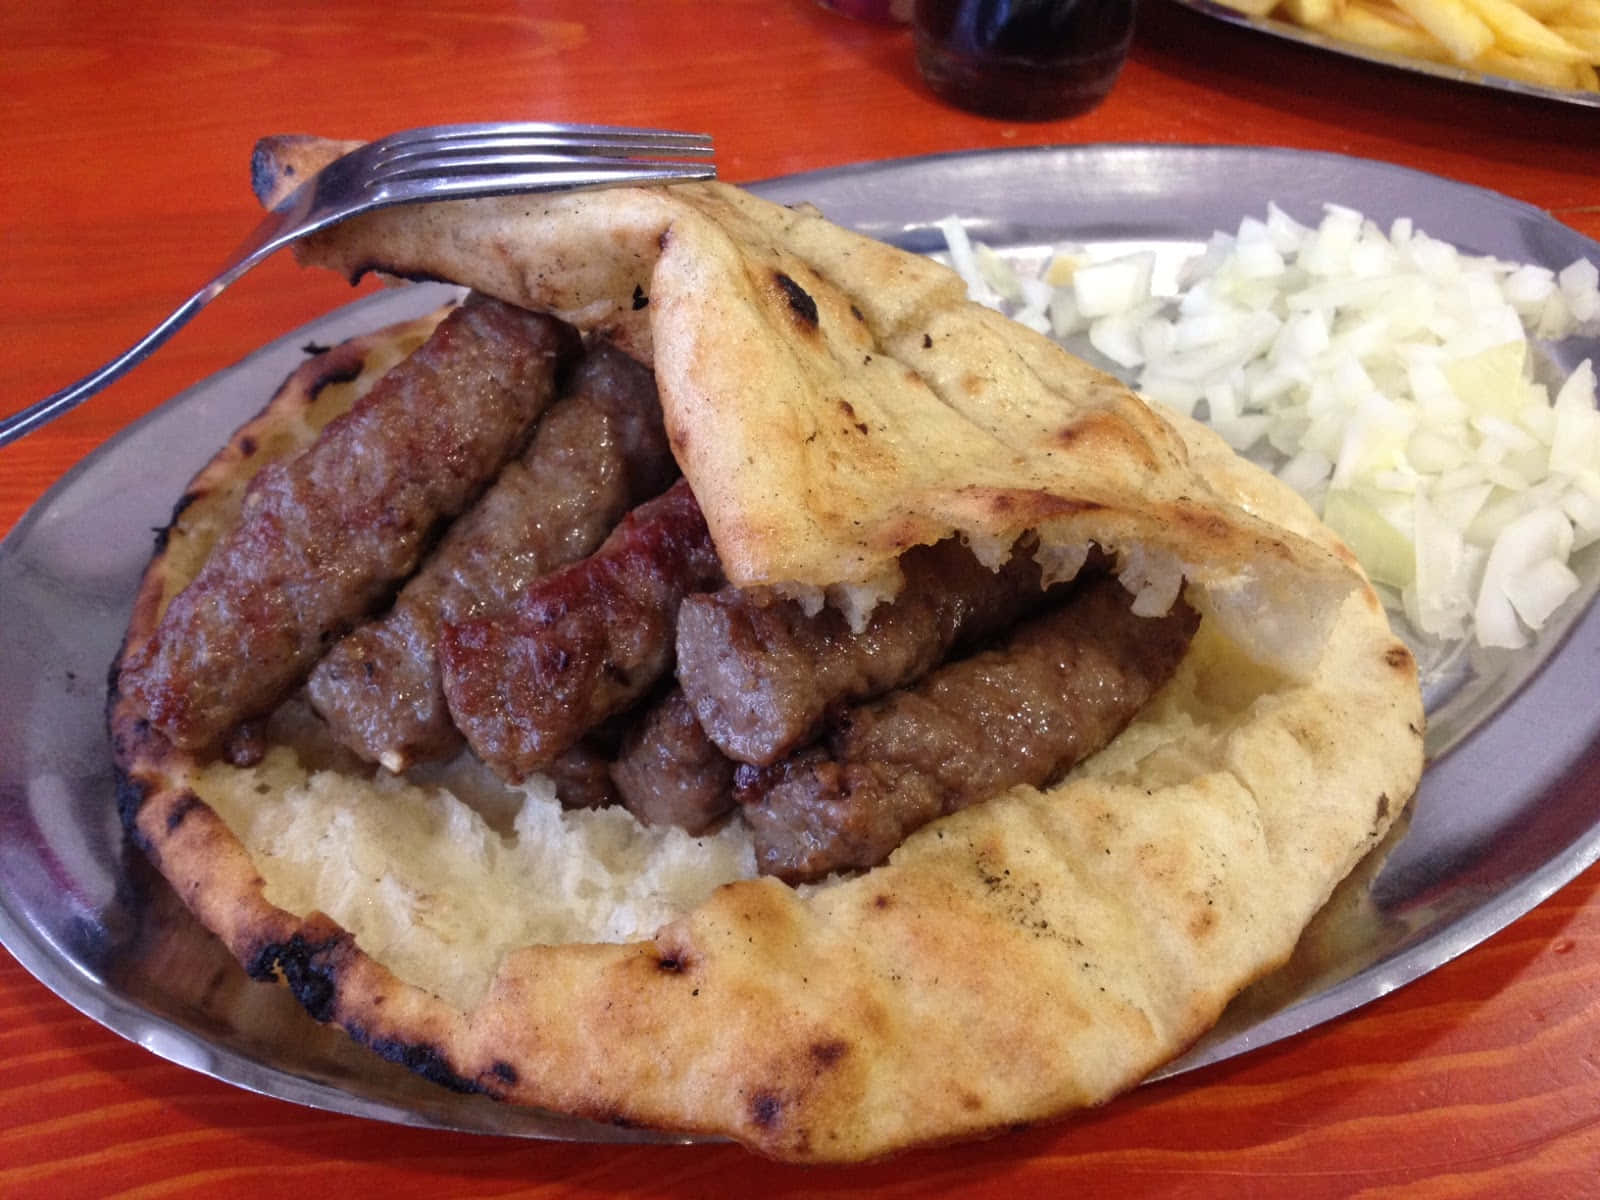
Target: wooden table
{"points": [[125, 152]]}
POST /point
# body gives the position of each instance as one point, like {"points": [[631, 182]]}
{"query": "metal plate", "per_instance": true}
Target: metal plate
{"points": [[1509, 813], [1418, 66]]}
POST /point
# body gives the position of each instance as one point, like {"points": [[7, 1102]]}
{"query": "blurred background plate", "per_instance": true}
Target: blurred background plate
{"points": [[1310, 37], [1509, 808]]}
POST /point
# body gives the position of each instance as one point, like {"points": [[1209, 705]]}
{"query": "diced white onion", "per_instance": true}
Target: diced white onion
{"points": [[1521, 549], [1385, 376], [1539, 590], [1114, 286]]}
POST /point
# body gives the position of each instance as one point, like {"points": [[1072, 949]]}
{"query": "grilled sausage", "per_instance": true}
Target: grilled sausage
{"points": [[669, 773], [582, 643], [1061, 687], [761, 677], [600, 450], [324, 538]]}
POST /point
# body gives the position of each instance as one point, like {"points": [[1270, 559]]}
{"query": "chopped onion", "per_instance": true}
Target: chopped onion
{"points": [[1387, 376], [1439, 596], [1115, 286], [1522, 549]]}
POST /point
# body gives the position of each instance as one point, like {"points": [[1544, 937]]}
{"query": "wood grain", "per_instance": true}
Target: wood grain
{"points": [[125, 150]]}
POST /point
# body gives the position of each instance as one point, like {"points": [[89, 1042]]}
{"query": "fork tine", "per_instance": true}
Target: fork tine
{"points": [[543, 135], [470, 154], [581, 135], [556, 175], [491, 128], [475, 163]]}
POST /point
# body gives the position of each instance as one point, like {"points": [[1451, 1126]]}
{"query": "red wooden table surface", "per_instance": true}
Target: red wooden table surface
{"points": [[124, 150]]}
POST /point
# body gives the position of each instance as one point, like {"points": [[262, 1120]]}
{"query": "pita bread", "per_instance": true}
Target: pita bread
{"points": [[835, 401], [1035, 954]]}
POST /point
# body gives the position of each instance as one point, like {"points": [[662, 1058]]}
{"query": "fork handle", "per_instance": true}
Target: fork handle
{"points": [[277, 228], [69, 397]]}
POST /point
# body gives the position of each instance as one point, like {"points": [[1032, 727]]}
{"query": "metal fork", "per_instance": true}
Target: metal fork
{"points": [[443, 162]]}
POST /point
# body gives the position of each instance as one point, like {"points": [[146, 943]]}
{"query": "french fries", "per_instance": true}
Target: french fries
{"points": [[1552, 43], [1516, 32], [1310, 12], [1582, 14], [1381, 27], [1542, 9], [1581, 36], [1465, 36]]}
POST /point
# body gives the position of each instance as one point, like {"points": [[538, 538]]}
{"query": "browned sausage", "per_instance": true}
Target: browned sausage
{"points": [[600, 450], [581, 644], [1061, 687], [325, 537]]}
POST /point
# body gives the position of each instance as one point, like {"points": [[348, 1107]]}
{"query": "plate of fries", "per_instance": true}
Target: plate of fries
{"points": [[1548, 48]]}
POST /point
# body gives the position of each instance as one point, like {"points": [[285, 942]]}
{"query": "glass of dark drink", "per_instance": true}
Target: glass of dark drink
{"points": [[1025, 60]]}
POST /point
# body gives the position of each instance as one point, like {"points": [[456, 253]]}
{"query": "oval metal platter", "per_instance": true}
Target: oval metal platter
{"points": [[1508, 810]]}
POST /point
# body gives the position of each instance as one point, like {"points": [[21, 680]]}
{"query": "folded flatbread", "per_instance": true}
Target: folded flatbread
{"points": [[833, 402]]}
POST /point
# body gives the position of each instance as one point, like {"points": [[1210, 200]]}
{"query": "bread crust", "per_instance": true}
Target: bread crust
{"points": [[1033, 955]]}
